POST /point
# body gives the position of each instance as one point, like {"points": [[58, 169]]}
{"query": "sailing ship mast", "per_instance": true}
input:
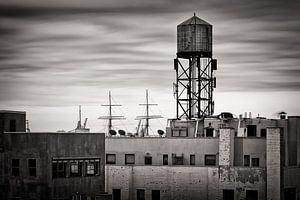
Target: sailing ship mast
{"points": [[147, 117], [110, 116]]}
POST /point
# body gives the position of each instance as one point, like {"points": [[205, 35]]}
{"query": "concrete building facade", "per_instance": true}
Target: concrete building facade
{"points": [[209, 159]]}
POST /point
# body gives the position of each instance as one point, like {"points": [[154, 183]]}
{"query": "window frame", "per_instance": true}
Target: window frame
{"points": [[252, 127], [127, 159], [12, 125], [246, 161], [263, 133], [209, 132], [206, 161], [148, 160], [32, 170], [15, 169], [251, 191], [165, 159], [142, 193], [255, 162], [228, 190], [110, 162], [153, 196], [192, 159]]}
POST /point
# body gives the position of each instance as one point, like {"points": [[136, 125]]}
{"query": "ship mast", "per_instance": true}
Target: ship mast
{"points": [[110, 116], [147, 117]]}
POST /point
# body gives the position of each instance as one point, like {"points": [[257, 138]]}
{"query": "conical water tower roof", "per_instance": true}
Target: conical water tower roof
{"points": [[194, 20]]}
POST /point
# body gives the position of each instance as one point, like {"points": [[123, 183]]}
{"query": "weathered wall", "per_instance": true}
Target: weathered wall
{"points": [[274, 163], [293, 140], [173, 182], [184, 182], [255, 147], [43, 147], [159, 146], [6, 116], [226, 147]]}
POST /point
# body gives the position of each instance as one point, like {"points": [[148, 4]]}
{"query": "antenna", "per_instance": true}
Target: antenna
{"points": [[110, 117], [147, 117]]}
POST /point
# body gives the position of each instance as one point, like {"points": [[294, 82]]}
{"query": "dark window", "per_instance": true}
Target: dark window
{"points": [[116, 194], [192, 159], [76, 169], [12, 125], [228, 194], [209, 132], [255, 162], [155, 194], [263, 132], [251, 130], [110, 158], [15, 167], [59, 169], [251, 195], [290, 193], [148, 160], [165, 159], [210, 160], [129, 159], [247, 160], [178, 160], [32, 167], [140, 194]]}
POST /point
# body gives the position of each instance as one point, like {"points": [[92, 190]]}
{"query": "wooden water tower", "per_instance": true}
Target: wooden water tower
{"points": [[194, 68]]}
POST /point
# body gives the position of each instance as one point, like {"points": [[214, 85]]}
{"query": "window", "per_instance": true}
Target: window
{"points": [[251, 195], [15, 167], [209, 132], [148, 160], [179, 132], [247, 160], [178, 160], [62, 168], [290, 193], [210, 160], [263, 132], [110, 158], [255, 162], [92, 168], [140, 194], [155, 194], [129, 159], [228, 194], [192, 159], [32, 167], [59, 169], [165, 159], [116, 194], [12, 125], [76, 168], [251, 130]]}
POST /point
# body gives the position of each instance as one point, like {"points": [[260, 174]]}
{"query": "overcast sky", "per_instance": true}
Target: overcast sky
{"points": [[57, 54]]}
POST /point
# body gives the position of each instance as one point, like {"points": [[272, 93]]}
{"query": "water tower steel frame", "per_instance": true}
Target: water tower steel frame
{"points": [[194, 68]]}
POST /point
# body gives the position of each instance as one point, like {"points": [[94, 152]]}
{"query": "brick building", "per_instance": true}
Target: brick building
{"points": [[51, 165]]}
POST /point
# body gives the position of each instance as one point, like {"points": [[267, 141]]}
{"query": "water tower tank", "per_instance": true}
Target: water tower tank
{"points": [[194, 36]]}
